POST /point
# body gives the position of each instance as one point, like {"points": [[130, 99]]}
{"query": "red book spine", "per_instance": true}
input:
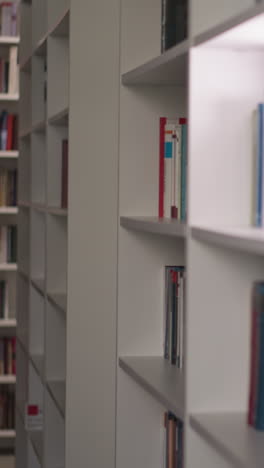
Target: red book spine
{"points": [[163, 121], [10, 125], [64, 175], [14, 355], [253, 365]]}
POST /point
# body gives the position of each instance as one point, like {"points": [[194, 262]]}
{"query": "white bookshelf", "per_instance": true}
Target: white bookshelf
{"points": [[43, 249], [91, 275], [8, 215]]}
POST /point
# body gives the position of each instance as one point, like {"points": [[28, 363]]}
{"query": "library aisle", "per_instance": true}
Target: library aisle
{"points": [[140, 278]]}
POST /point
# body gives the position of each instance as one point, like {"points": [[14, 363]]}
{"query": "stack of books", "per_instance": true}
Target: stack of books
{"points": [[9, 73], [256, 393], [173, 451], [173, 168], [3, 300], [64, 175], [7, 408], [9, 18], [8, 244], [174, 314], [7, 355], [8, 131], [174, 22], [8, 187]]}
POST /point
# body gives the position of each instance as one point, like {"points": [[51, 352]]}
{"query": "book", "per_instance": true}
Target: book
{"points": [[9, 18], [172, 168], [13, 71], [173, 441], [8, 131], [8, 187], [256, 387], [174, 22], [7, 355], [174, 312], [8, 244], [64, 175], [4, 306], [7, 408]]}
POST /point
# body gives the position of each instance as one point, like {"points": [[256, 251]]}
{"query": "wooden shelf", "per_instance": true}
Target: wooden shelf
{"points": [[9, 154], [7, 379], [59, 300], [169, 68], [234, 440], [248, 239], [163, 381], [7, 434], [154, 225], [8, 323], [57, 390], [39, 284]]}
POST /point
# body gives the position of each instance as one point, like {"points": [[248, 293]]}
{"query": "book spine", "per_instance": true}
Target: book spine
{"points": [[259, 166], [254, 363], [171, 441], [259, 415], [167, 315], [161, 165], [184, 172], [179, 168], [174, 320]]}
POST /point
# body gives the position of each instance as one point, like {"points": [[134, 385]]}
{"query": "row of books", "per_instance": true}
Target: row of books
{"points": [[173, 168], [8, 187], [64, 174], [256, 393], [3, 299], [173, 444], [9, 73], [174, 314], [8, 244], [8, 131], [7, 408], [7, 355], [174, 22], [9, 18]]}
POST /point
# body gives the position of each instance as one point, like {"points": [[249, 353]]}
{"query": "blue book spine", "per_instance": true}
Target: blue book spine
{"points": [[259, 165], [184, 172], [259, 423]]}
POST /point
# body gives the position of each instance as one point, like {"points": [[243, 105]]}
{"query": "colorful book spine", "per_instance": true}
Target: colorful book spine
{"points": [[172, 168]]}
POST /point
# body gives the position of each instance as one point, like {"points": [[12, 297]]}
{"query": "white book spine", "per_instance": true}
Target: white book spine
{"points": [[13, 71]]}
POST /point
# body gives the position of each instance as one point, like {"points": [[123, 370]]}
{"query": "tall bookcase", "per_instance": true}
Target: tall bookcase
{"points": [[8, 271], [91, 278], [42, 291]]}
